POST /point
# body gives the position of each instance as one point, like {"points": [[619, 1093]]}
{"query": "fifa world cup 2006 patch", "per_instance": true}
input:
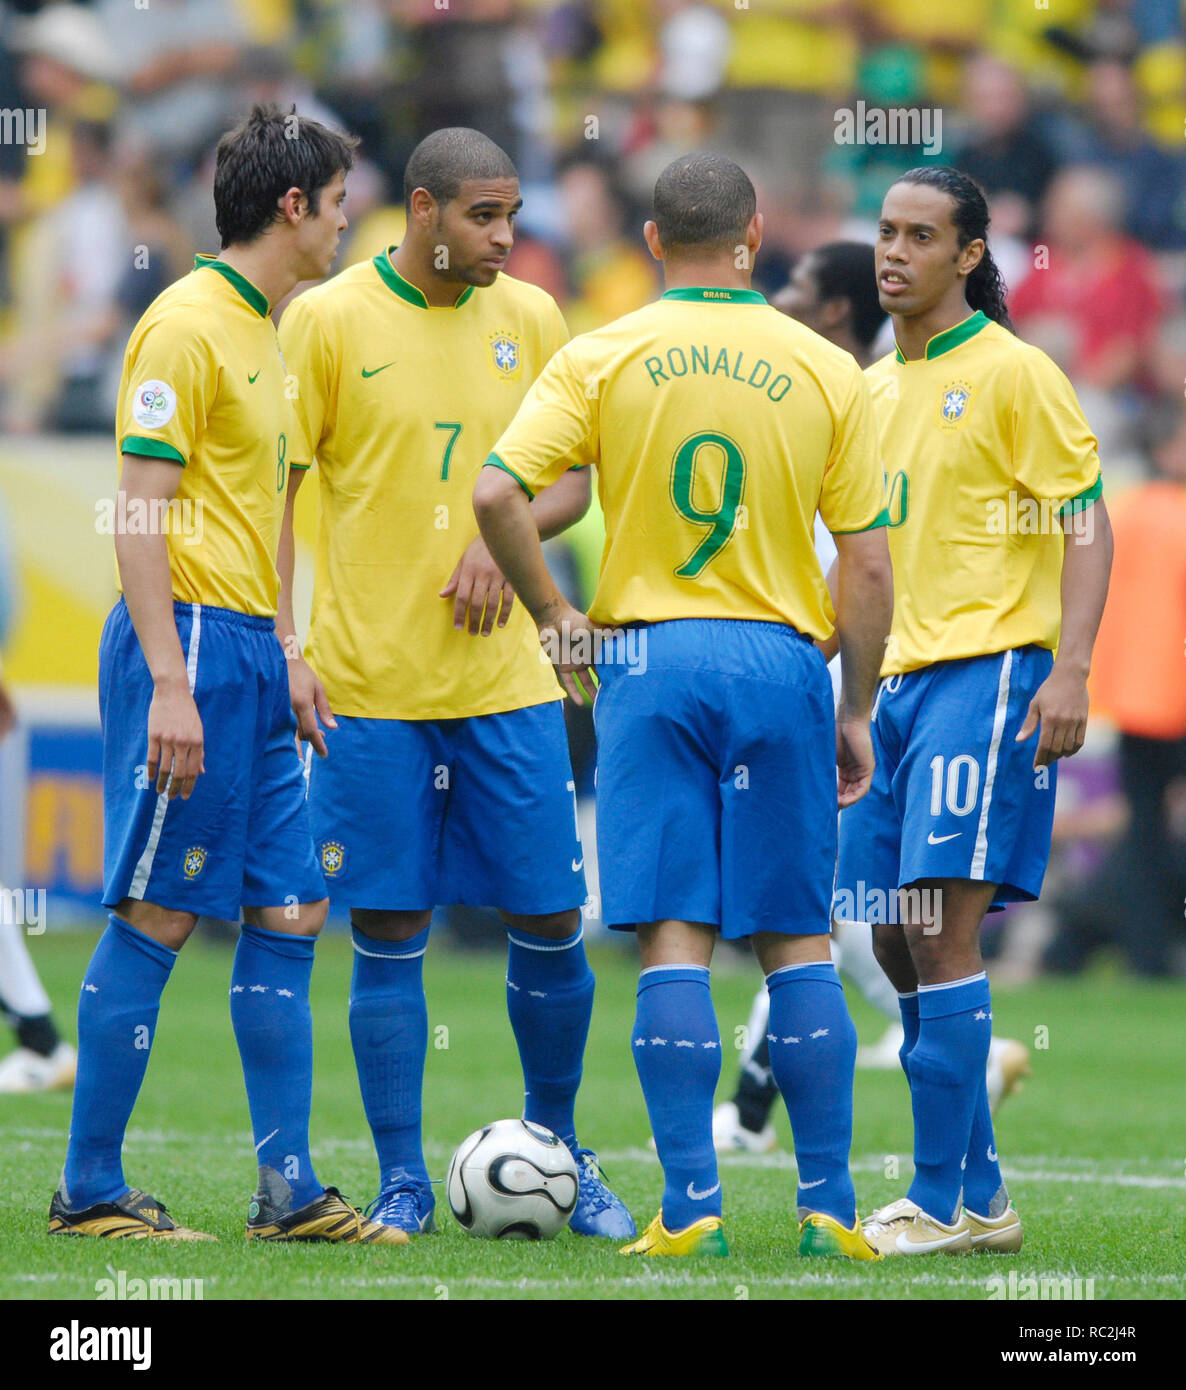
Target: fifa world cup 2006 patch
{"points": [[506, 353], [333, 857], [194, 861], [954, 401]]}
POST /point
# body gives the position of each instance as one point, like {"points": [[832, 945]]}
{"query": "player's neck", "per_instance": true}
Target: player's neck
{"points": [[913, 333], [266, 270], [713, 274], [415, 264]]}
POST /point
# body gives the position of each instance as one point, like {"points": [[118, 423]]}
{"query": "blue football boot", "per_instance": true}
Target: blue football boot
{"points": [[598, 1211], [407, 1204]]}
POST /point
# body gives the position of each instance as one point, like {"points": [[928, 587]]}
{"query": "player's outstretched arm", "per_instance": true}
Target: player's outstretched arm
{"points": [[175, 739], [1059, 707], [509, 530], [864, 609], [305, 690], [479, 589]]}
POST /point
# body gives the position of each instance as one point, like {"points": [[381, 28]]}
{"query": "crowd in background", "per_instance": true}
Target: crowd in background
{"points": [[1070, 113]]}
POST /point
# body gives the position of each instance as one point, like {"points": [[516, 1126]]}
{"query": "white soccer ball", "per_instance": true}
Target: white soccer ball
{"points": [[512, 1180]]}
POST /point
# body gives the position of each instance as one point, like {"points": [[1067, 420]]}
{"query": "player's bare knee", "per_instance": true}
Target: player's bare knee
{"points": [[390, 926], [552, 926], [164, 924], [892, 953], [775, 950], [293, 919]]}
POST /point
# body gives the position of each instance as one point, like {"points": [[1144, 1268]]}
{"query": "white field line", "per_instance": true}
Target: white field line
{"points": [[648, 1279], [1032, 1168]]}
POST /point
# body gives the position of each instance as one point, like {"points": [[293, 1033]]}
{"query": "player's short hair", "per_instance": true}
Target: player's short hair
{"points": [[846, 270], [262, 158], [442, 162], [703, 201]]}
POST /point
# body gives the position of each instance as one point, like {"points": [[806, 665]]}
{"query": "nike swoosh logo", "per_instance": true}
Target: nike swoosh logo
{"points": [[377, 370], [578, 864], [251, 378], [907, 1246], [992, 1154], [701, 1196], [933, 839], [819, 1182]]}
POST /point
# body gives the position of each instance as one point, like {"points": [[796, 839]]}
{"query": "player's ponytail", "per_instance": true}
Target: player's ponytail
{"points": [[985, 289]]}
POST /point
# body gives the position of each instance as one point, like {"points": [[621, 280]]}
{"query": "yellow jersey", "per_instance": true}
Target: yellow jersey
{"points": [[203, 386], [399, 404], [719, 427], [984, 447]]}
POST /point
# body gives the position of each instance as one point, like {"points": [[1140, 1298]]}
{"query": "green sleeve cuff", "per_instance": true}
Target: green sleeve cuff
{"points": [[299, 467], [493, 461], [1084, 499], [881, 519], [151, 448]]}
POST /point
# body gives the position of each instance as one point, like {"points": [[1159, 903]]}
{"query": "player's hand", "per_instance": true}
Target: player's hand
{"points": [[478, 587], [309, 702], [570, 639], [1059, 709], [7, 712], [854, 759], [176, 747]]}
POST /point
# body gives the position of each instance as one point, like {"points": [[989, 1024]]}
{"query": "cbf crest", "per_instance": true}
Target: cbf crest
{"points": [[953, 404], [333, 858], [506, 355], [193, 861]]}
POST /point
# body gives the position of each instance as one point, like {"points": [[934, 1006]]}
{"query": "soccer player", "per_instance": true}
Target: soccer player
{"points": [[833, 290], [204, 802], [719, 428], [1001, 549], [447, 778]]}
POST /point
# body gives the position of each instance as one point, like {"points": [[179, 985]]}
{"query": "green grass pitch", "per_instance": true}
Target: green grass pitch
{"points": [[1093, 1148]]}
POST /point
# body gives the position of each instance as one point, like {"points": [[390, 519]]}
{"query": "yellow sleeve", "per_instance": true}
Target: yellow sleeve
{"points": [[1055, 454], [556, 428], [172, 385], [853, 494], [311, 376]]}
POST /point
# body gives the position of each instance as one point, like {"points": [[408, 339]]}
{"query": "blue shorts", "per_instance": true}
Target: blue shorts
{"points": [[716, 778], [954, 795], [410, 814], [243, 836]]}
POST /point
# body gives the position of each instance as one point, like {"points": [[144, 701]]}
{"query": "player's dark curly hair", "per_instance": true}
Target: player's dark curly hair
{"points": [[986, 289], [262, 158]]}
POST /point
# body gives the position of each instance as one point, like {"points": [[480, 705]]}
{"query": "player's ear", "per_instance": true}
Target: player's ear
{"points": [[294, 205], [753, 233], [650, 234], [423, 206], [971, 256]]}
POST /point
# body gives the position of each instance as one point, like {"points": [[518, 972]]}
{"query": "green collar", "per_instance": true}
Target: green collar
{"points": [[255, 297], [950, 337], [715, 294], [404, 288]]}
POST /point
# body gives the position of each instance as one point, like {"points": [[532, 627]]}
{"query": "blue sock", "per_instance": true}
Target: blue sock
{"points": [[985, 1192], [117, 1014], [677, 1050], [813, 1052], [908, 1008], [946, 1071], [274, 1029], [389, 1030], [550, 1003]]}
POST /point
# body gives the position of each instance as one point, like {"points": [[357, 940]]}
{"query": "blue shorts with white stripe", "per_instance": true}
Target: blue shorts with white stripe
{"points": [[954, 795], [243, 837]]}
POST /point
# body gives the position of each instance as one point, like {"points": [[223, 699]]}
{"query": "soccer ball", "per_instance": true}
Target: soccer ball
{"points": [[512, 1180]]}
